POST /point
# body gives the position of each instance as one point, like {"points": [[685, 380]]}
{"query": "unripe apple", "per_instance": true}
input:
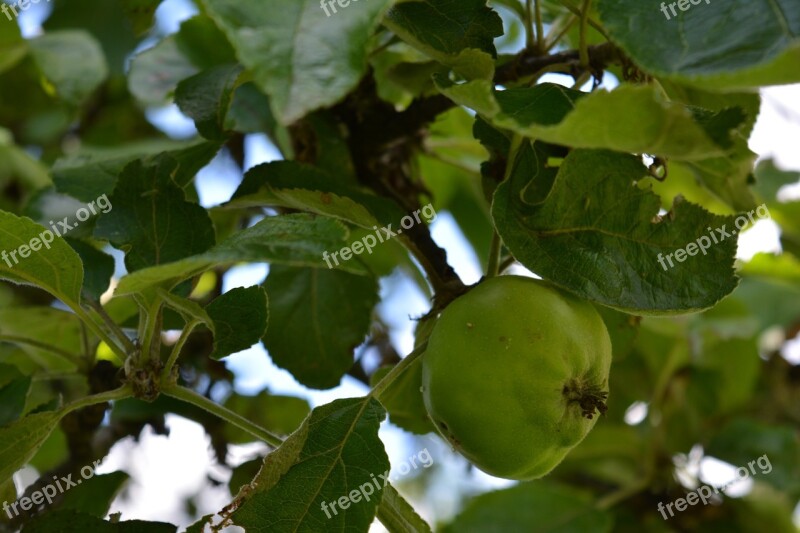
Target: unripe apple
{"points": [[514, 375]]}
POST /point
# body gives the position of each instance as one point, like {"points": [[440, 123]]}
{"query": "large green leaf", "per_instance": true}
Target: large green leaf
{"points": [[335, 454], [291, 184], [298, 240], [736, 44], [318, 317], [197, 46], [301, 58], [597, 234], [92, 173], [44, 324], [151, 219], [71, 62], [457, 33], [635, 119], [53, 266], [108, 24], [538, 506], [20, 440]]}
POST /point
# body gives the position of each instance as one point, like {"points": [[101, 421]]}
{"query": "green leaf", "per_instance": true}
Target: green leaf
{"points": [[108, 24], [291, 184], [737, 44], [55, 267], [74, 522], [204, 43], [772, 302], [598, 234], [206, 98], [95, 495], [729, 178], [12, 399], [151, 220], [240, 319], [318, 317], [279, 414], [20, 440], [249, 111], [298, 240], [538, 506], [92, 173], [71, 62], [630, 118], [301, 58], [397, 515], [157, 71], [336, 453], [12, 47], [459, 34]]}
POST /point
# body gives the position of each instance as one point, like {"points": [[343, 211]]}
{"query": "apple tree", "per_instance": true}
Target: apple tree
{"points": [[601, 146]]}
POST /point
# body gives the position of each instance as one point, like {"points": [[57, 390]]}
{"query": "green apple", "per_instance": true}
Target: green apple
{"points": [[514, 373]]}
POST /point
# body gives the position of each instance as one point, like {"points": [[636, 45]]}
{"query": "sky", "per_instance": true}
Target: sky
{"points": [[164, 470]]}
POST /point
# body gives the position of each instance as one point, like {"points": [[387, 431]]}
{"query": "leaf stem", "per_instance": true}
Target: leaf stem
{"points": [[395, 372], [117, 394], [190, 396], [176, 350], [592, 22], [493, 267], [529, 36], [118, 351], [507, 262], [539, 26], [557, 32], [97, 307], [583, 49], [149, 328]]}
